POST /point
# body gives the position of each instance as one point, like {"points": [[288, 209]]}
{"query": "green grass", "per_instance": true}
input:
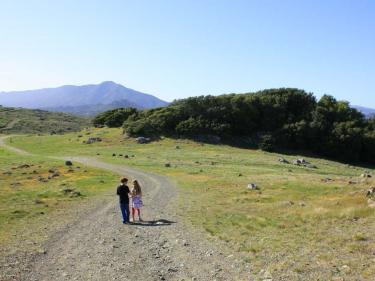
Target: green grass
{"points": [[28, 204], [298, 226], [26, 121]]}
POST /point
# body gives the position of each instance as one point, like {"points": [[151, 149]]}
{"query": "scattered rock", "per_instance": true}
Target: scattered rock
{"points": [[142, 140], [113, 154], [177, 147], [23, 166], [327, 180], [240, 175], [71, 192], [41, 179], [252, 186], [366, 175], [126, 156], [68, 163], [168, 165], [92, 140], [283, 160], [370, 192]]}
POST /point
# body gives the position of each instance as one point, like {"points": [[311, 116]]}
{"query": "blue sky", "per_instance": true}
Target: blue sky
{"points": [[179, 48]]}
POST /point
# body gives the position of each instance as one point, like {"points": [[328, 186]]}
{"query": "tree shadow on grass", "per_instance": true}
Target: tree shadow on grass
{"points": [[160, 222]]}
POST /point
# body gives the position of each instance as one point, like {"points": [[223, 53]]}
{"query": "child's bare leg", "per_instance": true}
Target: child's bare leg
{"points": [[139, 214], [133, 214]]}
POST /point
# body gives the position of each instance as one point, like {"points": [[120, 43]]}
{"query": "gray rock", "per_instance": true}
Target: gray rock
{"points": [[142, 140], [252, 186], [92, 140], [283, 160]]}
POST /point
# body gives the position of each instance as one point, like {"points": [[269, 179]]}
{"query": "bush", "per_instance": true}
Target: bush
{"points": [[267, 143], [114, 118]]}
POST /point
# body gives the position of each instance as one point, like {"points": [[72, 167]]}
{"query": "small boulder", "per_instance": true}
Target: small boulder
{"points": [[252, 186], [283, 160], [142, 140], [68, 163], [366, 175], [92, 140], [370, 192]]}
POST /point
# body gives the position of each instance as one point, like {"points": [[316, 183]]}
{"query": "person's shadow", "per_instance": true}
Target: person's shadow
{"points": [[160, 222]]}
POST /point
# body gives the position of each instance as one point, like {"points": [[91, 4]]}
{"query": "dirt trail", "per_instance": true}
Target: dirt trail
{"points": [[11, 148], [97, 246]]}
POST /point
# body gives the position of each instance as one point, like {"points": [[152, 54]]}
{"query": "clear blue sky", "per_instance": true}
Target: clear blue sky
{"points": [[180, 48]]}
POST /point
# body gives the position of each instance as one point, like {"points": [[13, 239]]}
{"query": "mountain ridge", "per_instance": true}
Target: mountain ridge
{"points": [[91, 95], [368, 112]]}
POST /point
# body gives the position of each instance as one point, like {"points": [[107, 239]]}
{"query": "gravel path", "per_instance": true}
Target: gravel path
{"points": [[97, 246]]}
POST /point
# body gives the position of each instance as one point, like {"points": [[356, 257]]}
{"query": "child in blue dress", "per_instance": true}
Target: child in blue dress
{"points": [[137, 203]]}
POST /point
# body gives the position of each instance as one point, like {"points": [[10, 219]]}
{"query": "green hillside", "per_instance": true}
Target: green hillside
{"points": [[273, 120], [303, 222], [20, 120]]}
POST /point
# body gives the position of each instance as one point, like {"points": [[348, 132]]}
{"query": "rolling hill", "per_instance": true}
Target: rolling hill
{"points": [[82, 100], [20, 120]]}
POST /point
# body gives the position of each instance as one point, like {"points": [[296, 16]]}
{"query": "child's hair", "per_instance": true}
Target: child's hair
{"points": [[124, 180], [137, 188]]}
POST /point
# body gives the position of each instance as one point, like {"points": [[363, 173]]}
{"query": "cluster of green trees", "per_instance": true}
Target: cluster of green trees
{"points": [[272, 119]]}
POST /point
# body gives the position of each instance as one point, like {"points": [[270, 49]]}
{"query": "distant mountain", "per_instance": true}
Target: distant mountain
{"points": [[94, 109], [366, 111], [86, 100]]}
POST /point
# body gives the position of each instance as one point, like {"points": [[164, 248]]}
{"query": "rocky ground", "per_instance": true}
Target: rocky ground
{"points": [[97, 246]]}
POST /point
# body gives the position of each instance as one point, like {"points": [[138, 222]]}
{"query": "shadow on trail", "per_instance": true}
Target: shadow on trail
{"points": [[161, 222]]}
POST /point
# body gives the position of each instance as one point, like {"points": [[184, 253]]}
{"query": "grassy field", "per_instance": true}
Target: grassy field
{"points": [[36, 191], [303, 223], [25, 121]]}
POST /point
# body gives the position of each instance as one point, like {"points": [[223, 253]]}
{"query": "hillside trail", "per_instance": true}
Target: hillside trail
{"points": [[97, 246], [11, 124], [11, 148]]}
